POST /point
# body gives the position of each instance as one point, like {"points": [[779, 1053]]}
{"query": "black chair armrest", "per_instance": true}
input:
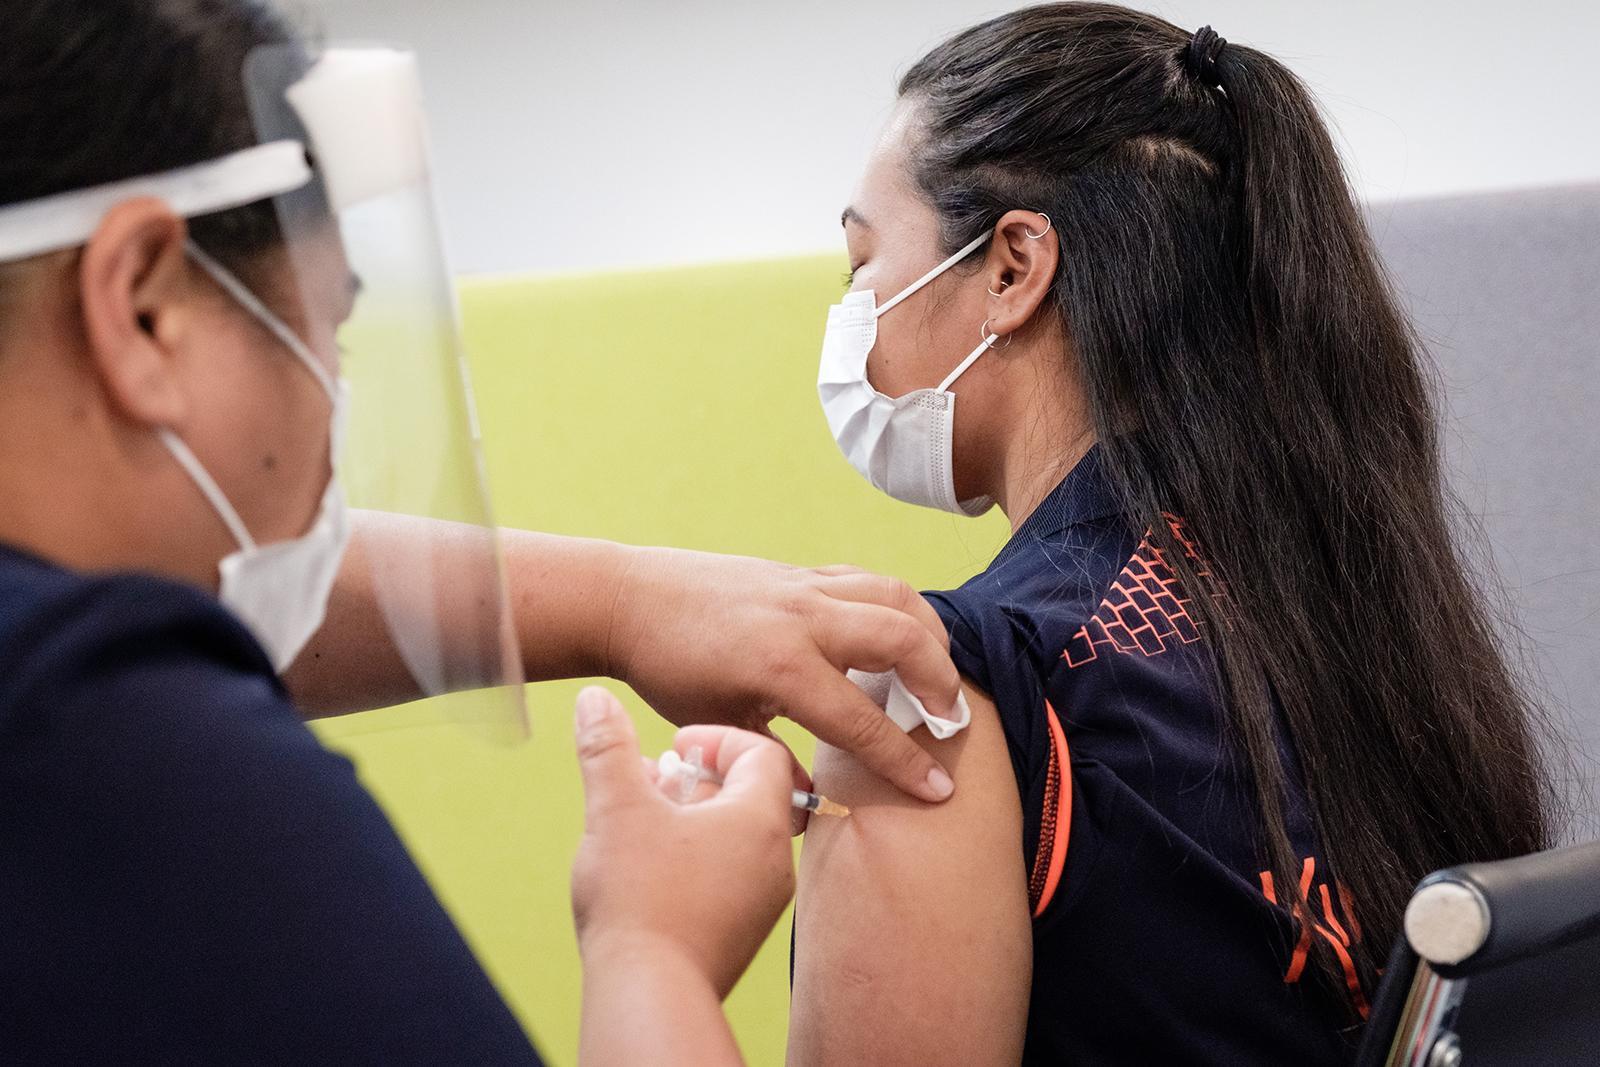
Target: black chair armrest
{"points": [[1525, 906]]}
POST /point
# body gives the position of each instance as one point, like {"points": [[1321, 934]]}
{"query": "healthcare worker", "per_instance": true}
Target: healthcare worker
{"points": [[185, 874]]}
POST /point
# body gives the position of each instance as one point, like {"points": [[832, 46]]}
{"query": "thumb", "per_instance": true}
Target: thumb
{"points": [[608, 752], [758, 766]]}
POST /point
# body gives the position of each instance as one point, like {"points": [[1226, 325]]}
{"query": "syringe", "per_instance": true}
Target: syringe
{"points": [[691, 771]]}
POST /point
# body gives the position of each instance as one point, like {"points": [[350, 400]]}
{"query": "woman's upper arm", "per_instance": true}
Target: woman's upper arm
{"points": [[913, 942]]}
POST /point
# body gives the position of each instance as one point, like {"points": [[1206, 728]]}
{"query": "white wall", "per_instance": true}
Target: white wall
{"points": [[600, 133]]}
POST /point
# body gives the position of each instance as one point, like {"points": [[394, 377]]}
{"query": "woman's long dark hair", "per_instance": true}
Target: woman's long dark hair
{"points": [[92, 91], [1248, 369]]}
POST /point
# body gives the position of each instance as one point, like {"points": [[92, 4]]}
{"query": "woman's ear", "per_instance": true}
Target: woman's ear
{"points": [[1020, 266], [137, 307]]}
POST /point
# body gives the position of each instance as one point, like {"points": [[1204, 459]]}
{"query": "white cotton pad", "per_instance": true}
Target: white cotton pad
{"points": [[363, 110], [903, 708]]}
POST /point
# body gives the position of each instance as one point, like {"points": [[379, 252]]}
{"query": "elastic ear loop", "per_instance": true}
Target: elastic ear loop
{"points": [[208, 486], [990, 340], [984, 346], [278, 328], [935, 272]]}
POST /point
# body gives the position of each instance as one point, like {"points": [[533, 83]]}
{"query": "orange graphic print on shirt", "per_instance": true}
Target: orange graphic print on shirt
{"points": [[1146, 610], [1331, 929]]}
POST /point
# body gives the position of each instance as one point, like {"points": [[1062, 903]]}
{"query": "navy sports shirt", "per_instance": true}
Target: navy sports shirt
{"points": [[1156, 938], [186, 875]]}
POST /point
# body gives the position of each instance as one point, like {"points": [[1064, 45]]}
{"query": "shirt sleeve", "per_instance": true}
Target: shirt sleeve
{"points": [[187, 876], [992, 647]]}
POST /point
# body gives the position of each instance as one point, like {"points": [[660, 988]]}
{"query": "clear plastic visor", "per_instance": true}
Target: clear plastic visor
{"points": [[377, 306]]}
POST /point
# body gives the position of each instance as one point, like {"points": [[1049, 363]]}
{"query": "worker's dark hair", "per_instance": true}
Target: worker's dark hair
{"points": [[1249, 370], [92, 91]]}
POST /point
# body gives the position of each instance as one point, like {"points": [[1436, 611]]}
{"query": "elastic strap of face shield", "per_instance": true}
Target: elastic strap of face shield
{"points": [[64, 220]]}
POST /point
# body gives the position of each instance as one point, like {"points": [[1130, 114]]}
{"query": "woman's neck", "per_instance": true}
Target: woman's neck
{"points": [[1037, 466], [1039, 423]]}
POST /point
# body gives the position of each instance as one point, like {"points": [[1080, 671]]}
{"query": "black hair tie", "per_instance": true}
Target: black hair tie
{"points": [[1200, 57]]}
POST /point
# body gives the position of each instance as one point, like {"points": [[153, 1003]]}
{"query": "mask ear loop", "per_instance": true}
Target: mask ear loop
{"points": [[208, 486], [935, 272], [276, 326]]}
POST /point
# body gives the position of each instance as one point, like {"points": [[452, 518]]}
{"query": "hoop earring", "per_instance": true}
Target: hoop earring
{"points": [[1003, 286], [1047, 225], [983, 335]]}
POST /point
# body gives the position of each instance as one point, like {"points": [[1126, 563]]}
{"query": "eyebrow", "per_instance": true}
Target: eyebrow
{"points": [[850, 214]]}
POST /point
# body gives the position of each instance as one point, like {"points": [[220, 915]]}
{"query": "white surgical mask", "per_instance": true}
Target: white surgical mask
{"points": [[280, 591], [901, 445]]}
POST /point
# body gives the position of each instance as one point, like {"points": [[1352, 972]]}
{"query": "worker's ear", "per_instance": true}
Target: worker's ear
{"points": [[139, 309]]}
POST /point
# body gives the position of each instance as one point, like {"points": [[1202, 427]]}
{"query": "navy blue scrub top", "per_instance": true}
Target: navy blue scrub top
{"points": [[1157, 935], [186, 875]]}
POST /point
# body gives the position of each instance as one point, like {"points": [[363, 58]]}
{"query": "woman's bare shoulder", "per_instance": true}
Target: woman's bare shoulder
{"points": [[913, 941]]}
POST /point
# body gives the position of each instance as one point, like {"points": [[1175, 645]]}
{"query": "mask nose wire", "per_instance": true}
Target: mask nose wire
{"points": [[236, 289], [935, 272]]}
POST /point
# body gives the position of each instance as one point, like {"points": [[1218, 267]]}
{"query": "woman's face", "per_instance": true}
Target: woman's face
{"points": [[893, 238]]}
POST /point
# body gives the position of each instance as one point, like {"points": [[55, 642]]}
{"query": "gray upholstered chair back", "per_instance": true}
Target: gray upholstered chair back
{"points": [[1505, 289]]}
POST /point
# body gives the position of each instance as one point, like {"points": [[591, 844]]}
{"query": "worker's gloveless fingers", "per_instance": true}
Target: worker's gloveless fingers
{"points": [[855, 584], [873, 637], [857, 725]]}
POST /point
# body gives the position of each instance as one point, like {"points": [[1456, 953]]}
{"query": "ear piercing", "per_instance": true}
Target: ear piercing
{"points": [[1047, 225], [988, 338]]}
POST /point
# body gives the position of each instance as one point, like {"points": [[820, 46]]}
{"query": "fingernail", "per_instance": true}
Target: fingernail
{"points": [[939, 784], [591, 707]]}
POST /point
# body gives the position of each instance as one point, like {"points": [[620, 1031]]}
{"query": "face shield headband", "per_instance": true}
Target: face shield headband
{"points": [[67, 220]]}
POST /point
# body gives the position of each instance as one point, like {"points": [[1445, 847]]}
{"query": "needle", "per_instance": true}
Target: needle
{"points": [[691, 772]]}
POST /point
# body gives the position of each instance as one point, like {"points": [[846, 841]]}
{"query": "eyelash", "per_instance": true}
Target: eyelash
{"points": [[848, 278]]}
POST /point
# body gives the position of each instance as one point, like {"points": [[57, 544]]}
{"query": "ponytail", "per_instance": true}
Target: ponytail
{"points": [[1428, 714]]}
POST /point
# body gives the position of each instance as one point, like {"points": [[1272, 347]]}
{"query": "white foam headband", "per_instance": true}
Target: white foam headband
{"points": [[68, 219], [363, 110]]}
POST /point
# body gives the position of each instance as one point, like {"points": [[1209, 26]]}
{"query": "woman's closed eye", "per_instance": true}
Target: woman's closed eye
{"points": [[848, 278]]}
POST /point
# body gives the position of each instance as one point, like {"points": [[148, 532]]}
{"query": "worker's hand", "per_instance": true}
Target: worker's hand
{"points": [[735, 640], [703, 882]]}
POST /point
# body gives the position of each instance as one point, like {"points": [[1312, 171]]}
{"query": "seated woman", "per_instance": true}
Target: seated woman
{"points": [[1233, 693]]}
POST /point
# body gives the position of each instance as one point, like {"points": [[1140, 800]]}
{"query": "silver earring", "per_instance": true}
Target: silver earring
{"points": [[1002, 286], [985, 336], [1047, 224]]}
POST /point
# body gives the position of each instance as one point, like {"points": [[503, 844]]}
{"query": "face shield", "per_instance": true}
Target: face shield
{"points": [[375, 305], [378, 307]]}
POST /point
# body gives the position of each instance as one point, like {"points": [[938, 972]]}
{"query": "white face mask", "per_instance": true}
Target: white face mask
{"points": [[901, 445], [280, 591]]}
